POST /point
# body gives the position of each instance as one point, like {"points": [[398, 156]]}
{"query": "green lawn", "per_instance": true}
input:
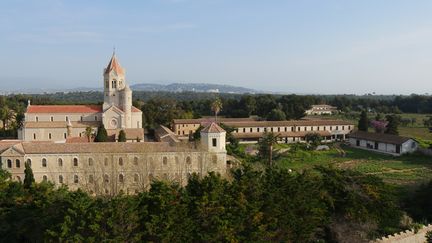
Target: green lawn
{"points": [[406, 169]]}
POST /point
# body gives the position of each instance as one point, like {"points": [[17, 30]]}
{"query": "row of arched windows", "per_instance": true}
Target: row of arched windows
{"points": [[91, 161]]}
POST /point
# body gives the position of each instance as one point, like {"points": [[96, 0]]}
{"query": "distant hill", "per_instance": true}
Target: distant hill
{"points": [[193, 87]]}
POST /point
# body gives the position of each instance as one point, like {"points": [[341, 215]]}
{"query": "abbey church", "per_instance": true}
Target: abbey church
{"points": [[69, 122], [53, 143]]}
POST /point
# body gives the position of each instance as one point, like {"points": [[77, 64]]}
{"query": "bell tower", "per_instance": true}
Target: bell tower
{"points": [[114, 82]]}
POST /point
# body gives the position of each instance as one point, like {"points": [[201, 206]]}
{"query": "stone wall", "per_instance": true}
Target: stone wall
{"points": [[408, 236]]}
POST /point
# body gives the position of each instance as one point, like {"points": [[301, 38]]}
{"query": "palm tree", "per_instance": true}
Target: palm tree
{"points": [[6, 115], [216, 107], [88, 133], [266, 145]]}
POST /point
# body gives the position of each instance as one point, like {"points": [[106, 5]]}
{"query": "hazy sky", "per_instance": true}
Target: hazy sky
{"points": [[302, 46]]}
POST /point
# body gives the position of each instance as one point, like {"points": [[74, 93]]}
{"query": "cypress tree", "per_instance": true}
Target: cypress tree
{"points": [[28, 176], [101, 135], [122, 136], [363, 122]]}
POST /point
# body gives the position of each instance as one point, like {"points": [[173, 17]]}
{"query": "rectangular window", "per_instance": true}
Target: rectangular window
{"points": [[52, 119], [34, 136], [251, 129], [65, 135], [49, 135], [95, 118], [37, 119], [214, 142], [244, 129]]}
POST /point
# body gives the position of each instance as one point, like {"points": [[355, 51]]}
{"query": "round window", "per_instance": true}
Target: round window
{"points": [[113, 122]]}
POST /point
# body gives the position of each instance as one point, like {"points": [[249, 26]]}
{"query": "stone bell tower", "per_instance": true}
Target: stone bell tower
{"points": [[114, 83], [213, 138]]}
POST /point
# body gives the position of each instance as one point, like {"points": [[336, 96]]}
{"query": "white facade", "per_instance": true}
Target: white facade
{"points": [[408, 146]]}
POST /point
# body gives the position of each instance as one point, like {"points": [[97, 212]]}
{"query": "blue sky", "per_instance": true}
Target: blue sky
{"points": [[310, 46]]}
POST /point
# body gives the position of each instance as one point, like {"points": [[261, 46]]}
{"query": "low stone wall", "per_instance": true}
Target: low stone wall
{"points": [[408, 236]]}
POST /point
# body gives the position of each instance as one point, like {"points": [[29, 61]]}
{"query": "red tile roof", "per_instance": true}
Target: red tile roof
{"points": [[134, 109], [64, 109], [213, 128], [114, 65]]}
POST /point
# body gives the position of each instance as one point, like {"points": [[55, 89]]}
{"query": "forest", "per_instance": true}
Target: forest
{"points": [[318, 205], [162, 107]]}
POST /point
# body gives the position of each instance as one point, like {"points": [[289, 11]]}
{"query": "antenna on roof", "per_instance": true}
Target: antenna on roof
{"points": [[113, 50]]}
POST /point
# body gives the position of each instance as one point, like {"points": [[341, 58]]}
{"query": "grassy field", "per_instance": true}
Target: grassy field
{"points": [[407, 169]]}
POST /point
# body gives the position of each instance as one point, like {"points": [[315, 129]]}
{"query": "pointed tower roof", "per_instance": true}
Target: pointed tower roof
{"points": [[114, 65], [213, 128]]}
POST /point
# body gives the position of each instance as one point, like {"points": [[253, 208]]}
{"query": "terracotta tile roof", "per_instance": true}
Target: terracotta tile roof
{"points": [[83, 139], [4, 145], [67, 109], [282, 134], [131, 133], [134, 109], [60, 124], [250, 122], [208, 120], [213, 128], [379, 137], [164, 134], [105, 148], [114, 65]]}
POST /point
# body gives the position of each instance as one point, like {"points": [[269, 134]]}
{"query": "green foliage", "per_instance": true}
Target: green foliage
{"points": [[363, 123], [28, 176], [265, 146], [418, 205], [101, 135], [393, 123], [122, 136], [313, 138], [429, 237], [276, 115], [197, 134], [274, 205]]}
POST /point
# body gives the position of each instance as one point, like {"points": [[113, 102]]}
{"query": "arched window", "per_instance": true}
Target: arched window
{"points": [[106, 161], [90, 161], [44, 162], [136, 161], [121, 178], [76, 179], [106, 178], [9, 163], [44, 178], [60, 162], [60, 179], [165, 161], [75, 161], [188, 160], [17, 163], [49, 136], [29, 162], [136, 178], [121, 161]]}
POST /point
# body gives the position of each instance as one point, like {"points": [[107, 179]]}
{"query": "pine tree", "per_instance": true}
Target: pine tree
{"points": [[28, 176], [122, 136], [363, 122], [101, 135], [393, 123]]}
